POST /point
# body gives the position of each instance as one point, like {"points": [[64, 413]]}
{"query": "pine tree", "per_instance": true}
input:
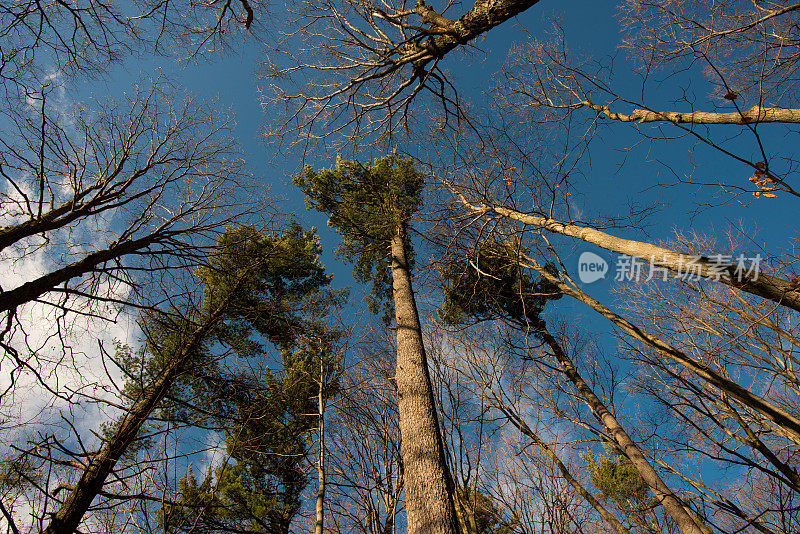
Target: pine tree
{"points": [[492, 284], [258, 486], [477, 513], [371, 207], [620, 483], [256, 286]]}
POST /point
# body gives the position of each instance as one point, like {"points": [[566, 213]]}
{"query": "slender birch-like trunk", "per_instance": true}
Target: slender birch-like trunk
{"points": [[319, 524], [784, 292], [686, 520]]}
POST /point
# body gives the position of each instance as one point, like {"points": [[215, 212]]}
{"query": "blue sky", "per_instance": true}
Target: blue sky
{"points": [[608, 186], [590, 28], [614, 179]]}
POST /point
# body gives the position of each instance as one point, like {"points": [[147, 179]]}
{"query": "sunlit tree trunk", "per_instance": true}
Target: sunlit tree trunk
{"points": [[429, 489], [684, 519], [320, 515]]}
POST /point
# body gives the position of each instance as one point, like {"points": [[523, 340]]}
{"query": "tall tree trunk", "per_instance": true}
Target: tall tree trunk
{"points": [[429, 489], [320, 521], [91, 482], [686, 520]]}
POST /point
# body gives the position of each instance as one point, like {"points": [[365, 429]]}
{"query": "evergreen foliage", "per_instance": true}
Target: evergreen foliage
{"points": [[279, 296], [279, 284], [617, 479], [17, 473], [492, 284], [477, 513], [281, 290], [259, 485], [366, 205]]}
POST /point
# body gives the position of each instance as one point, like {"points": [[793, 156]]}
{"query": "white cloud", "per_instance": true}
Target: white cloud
{"points": [[56, 368]]}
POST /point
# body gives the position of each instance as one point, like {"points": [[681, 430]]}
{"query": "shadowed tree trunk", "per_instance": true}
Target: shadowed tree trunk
{"points": [[91, 482], [282, 270]]}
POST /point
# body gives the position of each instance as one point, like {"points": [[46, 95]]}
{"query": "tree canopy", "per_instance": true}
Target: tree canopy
{"points": [[600, 252], [366, 204]]}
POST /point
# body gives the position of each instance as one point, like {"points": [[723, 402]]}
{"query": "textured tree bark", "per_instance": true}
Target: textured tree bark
{"points": [[756, 114], [776, 289], [429, 488], [685, 520], [91, 482], [484, 15]]}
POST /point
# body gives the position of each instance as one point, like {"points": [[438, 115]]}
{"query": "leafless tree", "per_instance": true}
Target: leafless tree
{"points": [[84, 37], [549, 87], [356, 69], [753, 47], [529, 399], [702, 349], [469, 432], [529, 486], [742, 54], [110, 203], [745, 338], [365, 486]]}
